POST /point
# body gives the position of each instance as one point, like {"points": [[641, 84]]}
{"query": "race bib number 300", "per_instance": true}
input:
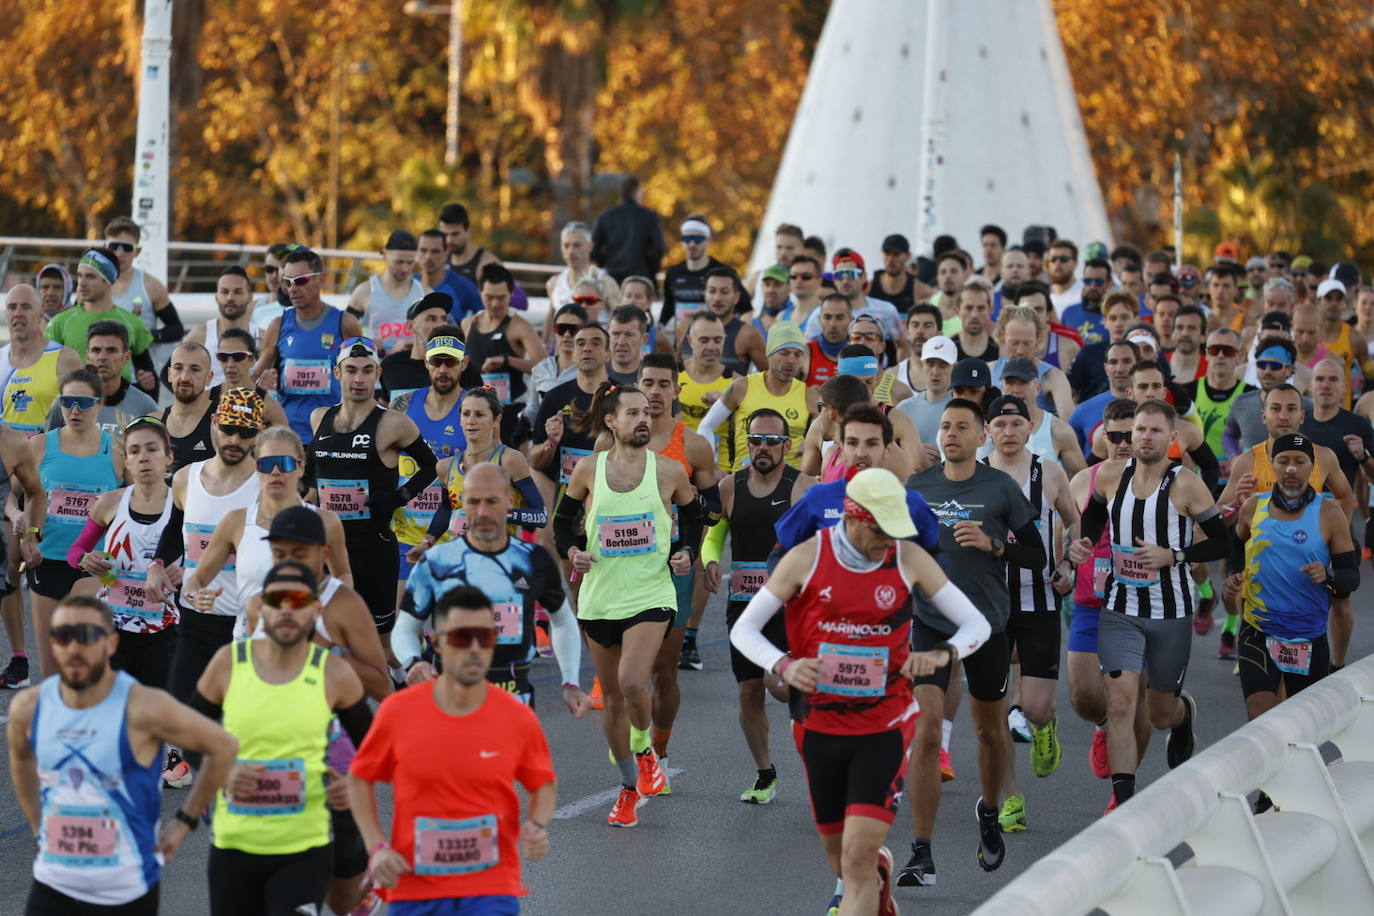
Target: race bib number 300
{"points": [[280, 790], [455, 847]]}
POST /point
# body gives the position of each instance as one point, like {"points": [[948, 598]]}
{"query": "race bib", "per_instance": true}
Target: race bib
{"points": [[83, 836], [746, 579], [421, 509], [197, 538], [499, 382], [626, 535], [1102, 568], [458, 524], [510, 619], [1292, 656], [455, 847], [71, 503], [128, 595], [1129, 571], [567, 460], [685, 313], [853, 671], [305, 376], [347, 498], [280, 790]]}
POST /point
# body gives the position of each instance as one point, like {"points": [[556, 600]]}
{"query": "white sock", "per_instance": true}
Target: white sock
{"points": [[946, 726], [839, 887]]}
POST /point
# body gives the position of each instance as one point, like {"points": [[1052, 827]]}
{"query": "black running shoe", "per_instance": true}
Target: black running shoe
{"points": [[920, 868], [991, 849], [1183, 738], [690, 659], [16, 674]]}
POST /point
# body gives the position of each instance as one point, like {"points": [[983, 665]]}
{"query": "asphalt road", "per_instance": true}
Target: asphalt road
{"points": [[701, 850]]}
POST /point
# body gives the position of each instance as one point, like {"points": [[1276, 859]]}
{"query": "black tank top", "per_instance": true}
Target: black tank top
{"points": [[728, 356], [469, 268], [196, 446], [482, 345], [903, 299], [752, 518], [347, 468]]}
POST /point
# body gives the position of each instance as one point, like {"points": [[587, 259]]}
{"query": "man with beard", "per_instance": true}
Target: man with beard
{"points": [[823, 352], [627, 599], [975, 310], [1065, 290], [189, 416], [54, 289], [67, 792], [233, 296], [272, 849], [236, 353], [405, 371], [1085, 317], [1187, 361], [744, 345]]}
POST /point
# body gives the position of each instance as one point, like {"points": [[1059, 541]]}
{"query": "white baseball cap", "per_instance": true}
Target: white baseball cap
{"points": [[940, 348], [1330, 284]]}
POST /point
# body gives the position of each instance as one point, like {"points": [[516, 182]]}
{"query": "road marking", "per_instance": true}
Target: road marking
{"points": [[598, 800]]}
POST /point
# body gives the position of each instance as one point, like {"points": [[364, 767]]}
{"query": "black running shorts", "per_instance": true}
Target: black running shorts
{"points": [[988, 670], [854, 775], [1036, 637], [1260, 673]]}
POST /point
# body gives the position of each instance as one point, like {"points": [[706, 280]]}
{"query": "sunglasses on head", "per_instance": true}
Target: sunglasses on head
{"points": [[768, 439], [1094, 281], [803, 275], [462, 637], [126, 247], [693, 239], [284, 463], [849, 273], [1269, 365], [1118, 436], [300, 279], [235, 357], [567, 330], [77, 401], [242, 432], [586, 300], [88, 634], [289, 598], [1221, 350], [443, 359]]}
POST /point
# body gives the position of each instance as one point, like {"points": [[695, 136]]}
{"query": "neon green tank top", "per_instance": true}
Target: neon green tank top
{"points": [[629, 534], [284, 727], [1214, 414]]}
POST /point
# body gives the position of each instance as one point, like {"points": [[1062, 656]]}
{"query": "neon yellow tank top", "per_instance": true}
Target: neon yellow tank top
{"points": [[692, 398], [29, 393], [284, 727], [629, 535], [882, 392], [791, 405]]}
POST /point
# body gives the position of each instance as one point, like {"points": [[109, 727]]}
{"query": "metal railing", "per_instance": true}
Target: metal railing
{"points": [[1189, 843]]}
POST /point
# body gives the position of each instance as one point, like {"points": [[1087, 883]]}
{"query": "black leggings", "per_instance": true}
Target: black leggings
{"points": [[199, 637], [242, 883], [44, 901], [147, 657]]}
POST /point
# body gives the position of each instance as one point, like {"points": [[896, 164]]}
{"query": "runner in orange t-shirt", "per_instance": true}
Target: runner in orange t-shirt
{"points": [[453, 843]]}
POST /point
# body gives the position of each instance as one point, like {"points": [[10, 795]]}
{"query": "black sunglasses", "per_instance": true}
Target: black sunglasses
{"points": [[757, 439], [126, 247], [1118, 436], [242, 432], [88, 634], [236, 357]]}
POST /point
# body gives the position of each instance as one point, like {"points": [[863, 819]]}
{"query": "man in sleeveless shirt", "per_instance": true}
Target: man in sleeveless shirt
{"points": [[502, 345], [1146, 622], [1051, 437], [1339, 339], [575, 244], [559, 442], [894, 283], [464, 255], [744, 345], [301, 344], [626, 602], [752, 502], [25, 517], [233, 299], [823, 351], [90, 739], [138, 291], [190, 415], [380, 302], [704, 377]]}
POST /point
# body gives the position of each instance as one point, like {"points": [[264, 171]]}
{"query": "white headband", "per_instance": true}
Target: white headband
{"points": [[695, 227]]}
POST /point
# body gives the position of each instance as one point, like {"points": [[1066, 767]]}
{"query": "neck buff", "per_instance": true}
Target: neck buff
{"points": [[1294, 505]]}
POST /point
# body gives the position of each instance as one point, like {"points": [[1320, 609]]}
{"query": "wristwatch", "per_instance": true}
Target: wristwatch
{"points": [[1179, 558], [998, 544], [190, 820]]}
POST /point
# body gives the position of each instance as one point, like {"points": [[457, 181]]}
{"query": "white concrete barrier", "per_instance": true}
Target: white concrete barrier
{"points": [[1308, 855]]}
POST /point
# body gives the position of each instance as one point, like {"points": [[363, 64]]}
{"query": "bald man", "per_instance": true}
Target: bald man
{"points": [[192, 410]]}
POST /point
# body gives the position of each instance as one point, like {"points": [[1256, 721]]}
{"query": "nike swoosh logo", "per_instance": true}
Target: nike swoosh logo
{"points": [[778, 502]]}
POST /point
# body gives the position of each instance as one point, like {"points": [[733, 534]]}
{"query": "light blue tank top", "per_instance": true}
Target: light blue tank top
{"points": [[73, 485], [305, 359], [1278, 599], [98, 805]]}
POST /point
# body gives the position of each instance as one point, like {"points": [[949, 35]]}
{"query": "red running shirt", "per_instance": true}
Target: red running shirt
{"points": [[859, 625], [453, 781]]}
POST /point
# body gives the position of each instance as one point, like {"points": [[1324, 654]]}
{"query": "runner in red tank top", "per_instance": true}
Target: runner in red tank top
{"points": [[849, 595]]}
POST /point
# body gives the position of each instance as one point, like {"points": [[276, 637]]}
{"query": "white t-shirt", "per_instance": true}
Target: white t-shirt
{"points": [[1071, 296]]}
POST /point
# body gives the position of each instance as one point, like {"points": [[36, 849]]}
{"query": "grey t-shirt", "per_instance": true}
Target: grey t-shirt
{"points": [[1246, 420], [992, 500], [114, 417], [925, 415]]}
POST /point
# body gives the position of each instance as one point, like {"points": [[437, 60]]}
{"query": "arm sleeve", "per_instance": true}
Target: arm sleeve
{"points": [[1029, 550], [405, 639], [1208, 468], [172, 329], [442, 516], [424, 475], [690, 524], [747, 633], [356, 720], [1094, 519], [1236, 561], [565, 524], [709, 499], [713, 547], [1217, 544], [567, 642], [171, 544], [974, 628], [85, 542], [533, 514], [717, 415], [1345, 573]]}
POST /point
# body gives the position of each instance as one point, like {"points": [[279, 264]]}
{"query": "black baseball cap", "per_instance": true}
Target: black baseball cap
{"points": [[292, 571], [1276, 321], [434, 300], [970, 372], [400, 240], [897, 244], [575, 310], [1021, 368], [1007, 404], [1347, 273], [299, 523]]}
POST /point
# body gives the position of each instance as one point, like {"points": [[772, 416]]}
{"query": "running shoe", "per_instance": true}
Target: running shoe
{"points": [[542, 643], [886, 905], [1226, 649], [1183, 738], [598, 700], [834, 908], [16, 673], [667, 782], [1020, 726], [1046, 751], [991, 849], [177, 773], [920, 868], [690, 659], [1111, 805], [624, 813], [1012, 818], [761, 792], [651, 778], [1097, 755], [1203, 621], [370, 905], [946, 766]]}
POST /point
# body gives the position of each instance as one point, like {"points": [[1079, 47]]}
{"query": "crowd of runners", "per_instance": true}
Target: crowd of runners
{"points": [[264, 554]]}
